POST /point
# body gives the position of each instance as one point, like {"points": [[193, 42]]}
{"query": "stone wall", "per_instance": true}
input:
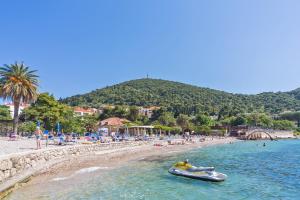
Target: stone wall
{"points": [[17, 164], [280, 134]]}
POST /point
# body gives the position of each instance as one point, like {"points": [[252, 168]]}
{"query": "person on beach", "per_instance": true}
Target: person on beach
{"points": [[46, 135], [38, 137]]}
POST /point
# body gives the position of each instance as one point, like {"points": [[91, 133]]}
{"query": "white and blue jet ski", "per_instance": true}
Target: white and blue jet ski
{"points": [[200, 173]]}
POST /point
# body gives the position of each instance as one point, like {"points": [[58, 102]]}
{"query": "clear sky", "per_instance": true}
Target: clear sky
{"points": [[241, 46]]}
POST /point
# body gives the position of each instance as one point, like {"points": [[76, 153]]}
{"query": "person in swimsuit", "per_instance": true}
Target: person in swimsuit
{"points": [[38, 137]]}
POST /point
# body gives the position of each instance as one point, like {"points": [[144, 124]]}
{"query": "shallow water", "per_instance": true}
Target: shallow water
{"points": [[254, 172]]}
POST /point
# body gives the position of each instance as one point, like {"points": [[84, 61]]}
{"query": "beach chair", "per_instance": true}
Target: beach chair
{"points": [[51, 139], [60, 140], [12, 137]]}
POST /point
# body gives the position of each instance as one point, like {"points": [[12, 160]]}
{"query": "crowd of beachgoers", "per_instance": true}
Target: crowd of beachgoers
{"points": [[22, 144]]}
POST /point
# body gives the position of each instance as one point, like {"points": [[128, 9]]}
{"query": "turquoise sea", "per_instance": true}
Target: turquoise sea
{"points": [[254, 172]]}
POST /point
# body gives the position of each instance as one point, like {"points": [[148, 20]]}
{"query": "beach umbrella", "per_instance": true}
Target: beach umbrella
{"points": [[38, 124], [58, 127]]}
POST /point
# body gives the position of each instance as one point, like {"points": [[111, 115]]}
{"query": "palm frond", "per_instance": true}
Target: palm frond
{"points": [[17, 82]]}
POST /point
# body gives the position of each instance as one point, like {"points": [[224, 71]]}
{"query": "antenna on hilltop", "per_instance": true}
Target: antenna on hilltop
{"points": [[147, 76]]}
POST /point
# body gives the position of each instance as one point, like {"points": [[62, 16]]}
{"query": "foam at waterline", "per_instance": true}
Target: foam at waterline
{"points": [[60, 178], [81, 171], [173, 151], [89, 170]]}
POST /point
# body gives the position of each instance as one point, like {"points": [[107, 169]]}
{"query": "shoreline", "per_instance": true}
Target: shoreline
{"points": [[121, 156], [109, 159]]}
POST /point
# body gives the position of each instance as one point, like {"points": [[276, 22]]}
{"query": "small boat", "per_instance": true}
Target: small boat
{"points": [[200, 173]]}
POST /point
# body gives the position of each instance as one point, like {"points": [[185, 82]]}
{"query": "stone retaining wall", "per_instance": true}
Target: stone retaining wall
{"points": [[283, 134], [15, 164]]}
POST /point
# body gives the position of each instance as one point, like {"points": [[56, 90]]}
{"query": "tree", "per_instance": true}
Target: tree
{"points": [[167, 119], [283, 125], [133, 114], [183, 121], [157, 113], [27, 127], [18, 83], [259, 119], [120, 111], [48, 111], [203, 129], [265, 121], [89, 122], [73, 124], [224, 112], [203, 120], [106, 113], [239, 120], [292, 116], [4, 113], [228, 121]]}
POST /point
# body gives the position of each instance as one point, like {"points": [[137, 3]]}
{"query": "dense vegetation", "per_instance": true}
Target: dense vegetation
{"points": [[166, 120], [182, 107], [4, 113], [187, 107], [49, 112], [181, 98]]}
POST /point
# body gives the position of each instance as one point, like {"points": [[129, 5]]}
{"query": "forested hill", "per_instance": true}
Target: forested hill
{"points": [[187, 99]]}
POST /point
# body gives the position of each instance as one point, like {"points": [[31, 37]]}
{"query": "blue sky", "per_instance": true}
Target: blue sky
{"points": [[238, 46]]}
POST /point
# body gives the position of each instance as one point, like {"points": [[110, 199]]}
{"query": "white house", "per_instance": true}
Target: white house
{"points": [[79, 111], [12, 108], [148, 111]]}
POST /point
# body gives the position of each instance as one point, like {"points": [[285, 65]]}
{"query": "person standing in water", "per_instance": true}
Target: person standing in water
{"points": [[38, 137]]}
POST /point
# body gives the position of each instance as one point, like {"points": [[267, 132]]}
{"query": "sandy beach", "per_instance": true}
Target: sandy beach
{"points": [[20, 145]]}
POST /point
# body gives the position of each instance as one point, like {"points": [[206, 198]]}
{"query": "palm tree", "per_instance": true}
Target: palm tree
{"points": [[19, 84]]}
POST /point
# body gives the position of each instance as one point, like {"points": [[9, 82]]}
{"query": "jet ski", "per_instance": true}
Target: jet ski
{"points": [[200, 173]]}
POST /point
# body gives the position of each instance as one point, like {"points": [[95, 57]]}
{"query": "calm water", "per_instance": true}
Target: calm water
{"points": [[254, 171]]}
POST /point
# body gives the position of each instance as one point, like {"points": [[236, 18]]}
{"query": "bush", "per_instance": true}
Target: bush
{"points": [[27, 127], [283, 125]]}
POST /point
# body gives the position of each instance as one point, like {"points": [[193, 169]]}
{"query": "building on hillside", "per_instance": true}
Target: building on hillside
{"points": [[12, 108], [107, 106], [79, 111], [140, 130], [148, 111], [238, 131], [114, 124], [114, 121]]}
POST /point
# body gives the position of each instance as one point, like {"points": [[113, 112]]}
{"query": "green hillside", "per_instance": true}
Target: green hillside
{"points": [[183, 98], [295, 93]]}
